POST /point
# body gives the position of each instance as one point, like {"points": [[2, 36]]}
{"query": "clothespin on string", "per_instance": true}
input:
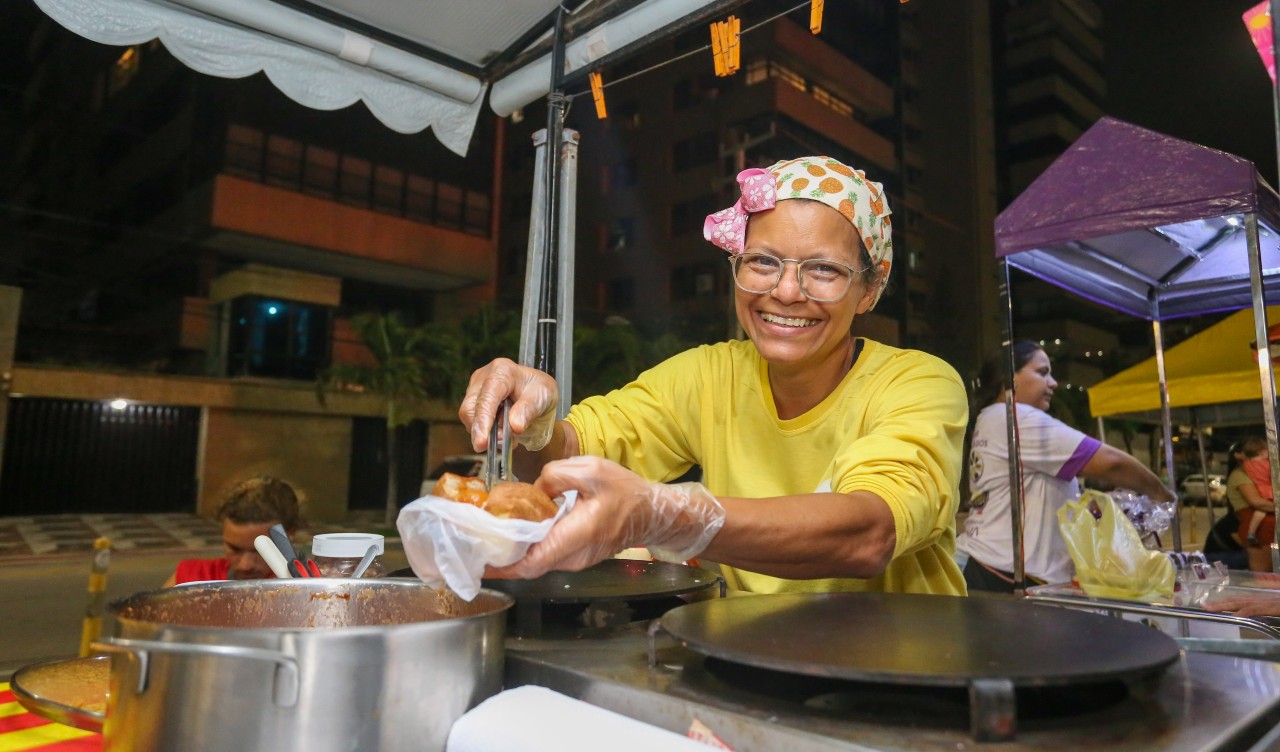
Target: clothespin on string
{"points": [[725, 50], [815, 16], [597, 93]]}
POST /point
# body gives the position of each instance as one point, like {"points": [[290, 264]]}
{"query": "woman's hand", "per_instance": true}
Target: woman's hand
{"points": [[1251, 605], [533, 395], [617, 509]]}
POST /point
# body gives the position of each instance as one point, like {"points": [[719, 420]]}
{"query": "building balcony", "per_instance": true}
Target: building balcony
{"points": [[274, 225]]}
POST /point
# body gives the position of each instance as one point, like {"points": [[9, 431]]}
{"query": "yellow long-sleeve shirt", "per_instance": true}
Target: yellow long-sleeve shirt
{"points": [[894, 426]]}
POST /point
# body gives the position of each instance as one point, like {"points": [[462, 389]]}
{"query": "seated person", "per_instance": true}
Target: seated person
{"points": [[247, 511]]}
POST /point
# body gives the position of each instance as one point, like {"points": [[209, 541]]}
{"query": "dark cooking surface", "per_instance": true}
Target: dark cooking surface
{"points": [[611, 579], [920, 639]]}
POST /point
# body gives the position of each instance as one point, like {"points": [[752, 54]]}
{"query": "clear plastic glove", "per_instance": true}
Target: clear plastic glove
{"points": [[533, 395], [617, 509]]}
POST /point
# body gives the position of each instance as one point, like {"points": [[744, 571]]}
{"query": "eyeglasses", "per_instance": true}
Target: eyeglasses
{"points": [[820, 280]]}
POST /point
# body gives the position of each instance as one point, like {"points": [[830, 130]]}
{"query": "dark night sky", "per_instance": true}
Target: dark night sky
{"points": [[1188, 69]]}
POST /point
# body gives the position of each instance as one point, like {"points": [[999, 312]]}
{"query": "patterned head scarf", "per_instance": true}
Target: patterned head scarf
{"points": [[848, 191]]}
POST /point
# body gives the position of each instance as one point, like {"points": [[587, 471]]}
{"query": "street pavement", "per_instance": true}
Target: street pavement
{"points": [[74, 534]]}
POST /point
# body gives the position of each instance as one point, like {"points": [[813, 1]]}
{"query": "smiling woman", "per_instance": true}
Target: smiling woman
{"points": [[829, 462]]}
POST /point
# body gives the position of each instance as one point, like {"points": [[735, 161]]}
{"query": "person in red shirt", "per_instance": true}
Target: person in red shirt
{"points": [[247, 511]]}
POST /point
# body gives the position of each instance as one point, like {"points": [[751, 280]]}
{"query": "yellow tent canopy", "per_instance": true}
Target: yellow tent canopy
{"points": [[1212, 367]]}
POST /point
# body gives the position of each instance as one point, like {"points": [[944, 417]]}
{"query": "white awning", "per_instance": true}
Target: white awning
{"points": [[322, 60]]}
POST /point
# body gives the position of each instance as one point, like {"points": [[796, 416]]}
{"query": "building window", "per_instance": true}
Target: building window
{"points": [[277, 338], [244, 151], [695, 280], [388, 189], [688, 216], [702, 149], [692, 91], [620, 235], [830, 100], [320, 173], [354, 182], [621, 294], [284, 161]]}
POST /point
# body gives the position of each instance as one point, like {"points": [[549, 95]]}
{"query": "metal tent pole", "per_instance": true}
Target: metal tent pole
{"points": [[546, 327], [534, 265], [1265, 374], [1017, 503], [1166, 420], [1204, 473], [564, 279]]}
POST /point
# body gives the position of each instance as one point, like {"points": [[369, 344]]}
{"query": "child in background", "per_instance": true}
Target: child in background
{"points": [[248, 510], [1258, 468]]}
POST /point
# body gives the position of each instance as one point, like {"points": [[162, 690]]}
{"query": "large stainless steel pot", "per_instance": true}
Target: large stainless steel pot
{"points": [[315, 665]]}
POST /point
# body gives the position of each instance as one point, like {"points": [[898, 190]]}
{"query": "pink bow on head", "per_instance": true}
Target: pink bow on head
{"points": [[727, 228]]}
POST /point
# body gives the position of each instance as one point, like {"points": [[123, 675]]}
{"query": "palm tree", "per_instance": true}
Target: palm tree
{"points": [[398, 377]]}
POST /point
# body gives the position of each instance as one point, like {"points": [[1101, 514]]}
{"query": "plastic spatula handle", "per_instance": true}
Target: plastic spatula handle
{"points": [[271, 555]]}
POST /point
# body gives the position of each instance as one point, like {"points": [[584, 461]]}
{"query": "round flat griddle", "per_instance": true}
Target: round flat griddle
{"points": [[921, 639], [72, 692], [610, 580]]}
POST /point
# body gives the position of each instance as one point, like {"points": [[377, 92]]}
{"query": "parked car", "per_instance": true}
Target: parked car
{"points": [[458, 464], [1193, 489]]}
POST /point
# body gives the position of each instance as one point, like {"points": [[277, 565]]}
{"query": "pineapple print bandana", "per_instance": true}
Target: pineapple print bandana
{"points": [[848, 191]]}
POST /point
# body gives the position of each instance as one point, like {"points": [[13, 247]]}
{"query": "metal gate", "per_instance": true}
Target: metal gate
{"points": [[65, 456], [368, 469]]}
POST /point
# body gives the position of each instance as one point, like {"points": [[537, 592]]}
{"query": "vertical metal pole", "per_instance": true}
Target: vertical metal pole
{"points": [[1265, 374], [10, 308], [1102, 431], [1017, 503], [1166, 420], [1204, 473], [564, 281], [533, 265], [544, 355]]}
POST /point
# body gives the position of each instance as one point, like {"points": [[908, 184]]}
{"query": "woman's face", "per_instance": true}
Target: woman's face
{"points": [[1033, 384], [788, 328]]}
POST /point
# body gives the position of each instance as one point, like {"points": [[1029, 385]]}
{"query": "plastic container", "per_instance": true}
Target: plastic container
{"points": [[337, 554]]}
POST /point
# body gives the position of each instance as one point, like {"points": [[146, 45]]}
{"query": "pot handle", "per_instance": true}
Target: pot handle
{"points": [[286, 683]]}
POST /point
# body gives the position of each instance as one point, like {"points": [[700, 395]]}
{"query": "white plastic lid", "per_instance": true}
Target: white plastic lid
{"points": [[345, 545]]}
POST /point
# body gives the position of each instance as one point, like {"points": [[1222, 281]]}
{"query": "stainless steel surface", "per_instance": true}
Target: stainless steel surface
{"points": [[55, 690], [364, 563], [1202, 703], [382, 665], [1069, 596], [497, 467], [921, 639]]}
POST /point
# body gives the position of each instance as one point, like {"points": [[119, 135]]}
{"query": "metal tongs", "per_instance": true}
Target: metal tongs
{"points": [[497, 466]]}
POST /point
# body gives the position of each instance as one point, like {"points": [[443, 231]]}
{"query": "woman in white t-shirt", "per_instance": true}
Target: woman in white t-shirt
{"points": [[1053, 455]]}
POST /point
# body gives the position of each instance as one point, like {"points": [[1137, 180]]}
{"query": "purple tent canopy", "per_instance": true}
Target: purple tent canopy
{"points": [[1129, 217]]}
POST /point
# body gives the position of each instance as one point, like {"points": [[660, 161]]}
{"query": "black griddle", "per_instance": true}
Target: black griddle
{"points": [[990, 645], [651, 588]]}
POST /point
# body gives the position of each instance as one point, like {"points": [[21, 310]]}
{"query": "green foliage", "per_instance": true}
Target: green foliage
{"points": [[614, 354], [398, 376]]}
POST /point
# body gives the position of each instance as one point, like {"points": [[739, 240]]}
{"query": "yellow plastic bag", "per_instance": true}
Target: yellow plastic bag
{"points": [[1110, 559]]}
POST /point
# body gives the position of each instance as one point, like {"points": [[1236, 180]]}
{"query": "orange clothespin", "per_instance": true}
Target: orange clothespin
{"points": [[597, 93], [725, 51], [815, 16]]}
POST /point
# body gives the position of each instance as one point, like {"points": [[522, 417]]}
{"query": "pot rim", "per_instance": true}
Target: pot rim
{"points": [[504, 602]]}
